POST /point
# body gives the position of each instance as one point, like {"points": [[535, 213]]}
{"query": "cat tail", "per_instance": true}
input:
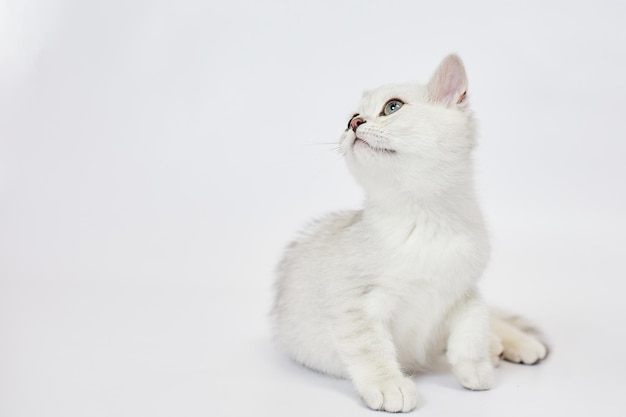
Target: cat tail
{"points": [[516, 339]]}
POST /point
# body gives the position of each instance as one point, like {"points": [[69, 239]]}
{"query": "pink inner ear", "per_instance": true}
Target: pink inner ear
{"points": [[449, 82]]}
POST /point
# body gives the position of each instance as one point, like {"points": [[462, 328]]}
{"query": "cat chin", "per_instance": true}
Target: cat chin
{"points": [[362, 144]]}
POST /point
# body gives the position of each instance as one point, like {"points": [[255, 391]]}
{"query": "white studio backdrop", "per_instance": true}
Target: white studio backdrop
{"points": [[156, 156]]}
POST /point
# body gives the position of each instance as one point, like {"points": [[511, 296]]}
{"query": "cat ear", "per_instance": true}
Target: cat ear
{"points": [[448, 85]]}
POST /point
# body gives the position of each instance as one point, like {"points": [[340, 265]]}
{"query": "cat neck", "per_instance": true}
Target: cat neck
{"points": [[454, 207]]}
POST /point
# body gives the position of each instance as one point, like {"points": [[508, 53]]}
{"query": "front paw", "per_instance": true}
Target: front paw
{"points": [[496, 350], [395, 395], [475, 375]]}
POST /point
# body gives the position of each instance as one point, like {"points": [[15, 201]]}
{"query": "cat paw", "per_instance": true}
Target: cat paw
{"points": [[396, 395], [524, 349], [475, 375], [496, 350]]}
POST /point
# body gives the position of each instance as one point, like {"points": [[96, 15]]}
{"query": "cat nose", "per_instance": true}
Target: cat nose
{"points": [[354, 123]]}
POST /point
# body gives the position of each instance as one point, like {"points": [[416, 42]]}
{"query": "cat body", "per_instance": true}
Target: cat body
{"points": [[381, 293]]}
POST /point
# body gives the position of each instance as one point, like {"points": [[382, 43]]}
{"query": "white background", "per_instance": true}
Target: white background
{"points": [[156, 156]]}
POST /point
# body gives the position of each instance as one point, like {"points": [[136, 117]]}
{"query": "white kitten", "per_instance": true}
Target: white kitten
{"points": [[390, 290]]}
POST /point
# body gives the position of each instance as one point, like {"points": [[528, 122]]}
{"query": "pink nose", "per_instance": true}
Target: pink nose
{"points": [[354, 123]]}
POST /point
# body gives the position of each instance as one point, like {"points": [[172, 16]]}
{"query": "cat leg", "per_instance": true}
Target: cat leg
{"points": [[520, 345], [366, 348], [469, 344], [496, 349]]}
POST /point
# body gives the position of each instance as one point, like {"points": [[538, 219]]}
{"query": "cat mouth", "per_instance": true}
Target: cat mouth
{"points": [[361, 143]]}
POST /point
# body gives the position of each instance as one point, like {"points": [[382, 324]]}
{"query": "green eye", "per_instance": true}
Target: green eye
{"points": [[391, 106]]}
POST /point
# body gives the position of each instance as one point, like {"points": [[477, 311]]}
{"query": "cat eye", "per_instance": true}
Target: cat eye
{"points": [[391, 106]]}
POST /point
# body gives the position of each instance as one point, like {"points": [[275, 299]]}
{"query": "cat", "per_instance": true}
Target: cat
{"points": [[379, 294]]}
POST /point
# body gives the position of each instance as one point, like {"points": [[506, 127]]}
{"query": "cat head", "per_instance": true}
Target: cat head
{"points": [[412, 139]]}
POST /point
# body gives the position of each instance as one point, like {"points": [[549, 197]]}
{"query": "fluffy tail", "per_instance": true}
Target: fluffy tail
{"points": [[515, 340]]}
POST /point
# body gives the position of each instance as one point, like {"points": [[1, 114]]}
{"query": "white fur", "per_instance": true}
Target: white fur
{"points": [[390, 290]]}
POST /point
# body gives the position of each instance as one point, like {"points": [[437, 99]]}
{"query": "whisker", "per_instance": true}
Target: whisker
{"points": [[334, 146], [321, 143]]}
